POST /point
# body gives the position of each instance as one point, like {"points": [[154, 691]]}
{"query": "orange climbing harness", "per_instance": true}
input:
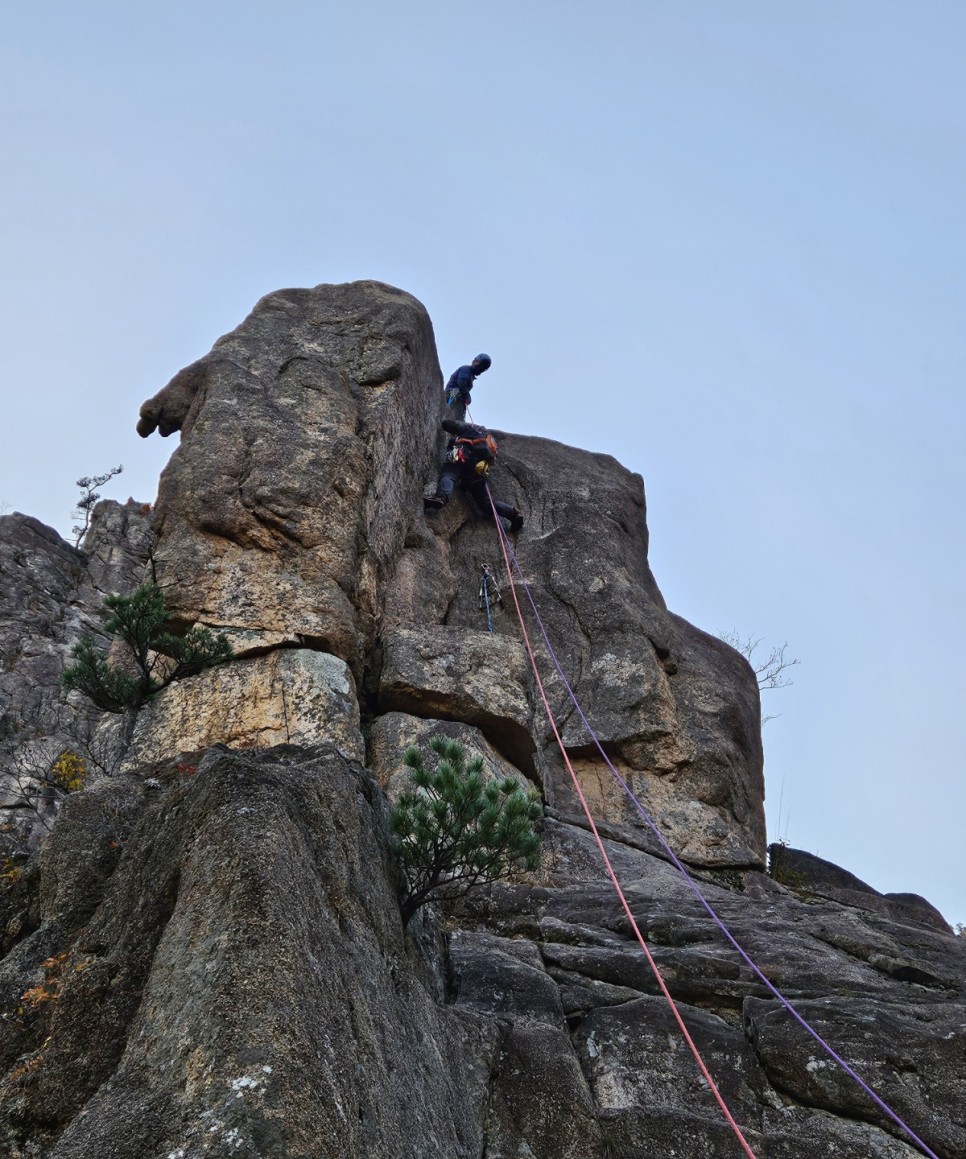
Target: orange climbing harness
{"points": [[461, 451]]}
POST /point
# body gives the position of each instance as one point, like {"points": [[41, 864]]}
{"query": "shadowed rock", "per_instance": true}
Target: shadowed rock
{"points": [[812, 874], [51, 595], [216, 994]]}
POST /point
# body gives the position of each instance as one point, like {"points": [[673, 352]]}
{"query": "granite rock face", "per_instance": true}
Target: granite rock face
{"points": [[51, 594], [811, 874], [306, 438], [289, 696], [676, 709], [291, 516], [206, 958], [244, 985], [229, 975]]}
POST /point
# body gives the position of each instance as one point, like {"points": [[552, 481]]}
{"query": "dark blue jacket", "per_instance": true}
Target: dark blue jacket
{"points": [[459, 386]]}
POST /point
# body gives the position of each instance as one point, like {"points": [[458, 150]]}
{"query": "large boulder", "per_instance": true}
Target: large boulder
{"points": [[307, 434], [288, 696], [473, 677]]}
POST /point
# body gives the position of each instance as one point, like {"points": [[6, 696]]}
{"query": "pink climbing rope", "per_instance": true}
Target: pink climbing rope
{"points": [[883, 1106], [607, 862]]}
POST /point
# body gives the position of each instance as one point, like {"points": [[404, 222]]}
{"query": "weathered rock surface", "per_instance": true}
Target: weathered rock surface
{"points": [[393, 732], [232, 978], [244, 986], [206, 957], [307, 434], [805, 871], [291, 515], [289, 696], [474, 677], [51, 594]]}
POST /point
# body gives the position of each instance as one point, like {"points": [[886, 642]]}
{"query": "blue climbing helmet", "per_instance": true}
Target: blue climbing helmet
{"points": [[483, 362]]}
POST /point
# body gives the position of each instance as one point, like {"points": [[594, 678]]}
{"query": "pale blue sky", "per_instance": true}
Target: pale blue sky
{"points": [[722, 240]]}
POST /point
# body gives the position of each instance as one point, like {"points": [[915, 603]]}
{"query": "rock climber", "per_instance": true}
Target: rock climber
{"points": [[461, 383], [469, 456]]}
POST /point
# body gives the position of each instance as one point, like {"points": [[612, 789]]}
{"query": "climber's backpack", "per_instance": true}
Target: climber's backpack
{"points": [[468, 450]]}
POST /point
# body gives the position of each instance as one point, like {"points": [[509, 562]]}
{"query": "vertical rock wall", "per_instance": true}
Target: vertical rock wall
{"points": [[307, 434], [291, 517], [206, 958], [51, 594]]}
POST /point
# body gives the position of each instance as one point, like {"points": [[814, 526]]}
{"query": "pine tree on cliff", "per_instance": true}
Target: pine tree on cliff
{"points": [[153, 657], [457, 829]]}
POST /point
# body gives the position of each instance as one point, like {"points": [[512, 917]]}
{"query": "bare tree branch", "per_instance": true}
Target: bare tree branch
{"points": [[770, 670]]}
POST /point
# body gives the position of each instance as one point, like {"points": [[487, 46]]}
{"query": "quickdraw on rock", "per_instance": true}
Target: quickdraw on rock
{"points": [[489, 594]]}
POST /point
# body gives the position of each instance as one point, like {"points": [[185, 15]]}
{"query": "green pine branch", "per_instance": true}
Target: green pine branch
{"points": [[154, 657], [455, 830]]}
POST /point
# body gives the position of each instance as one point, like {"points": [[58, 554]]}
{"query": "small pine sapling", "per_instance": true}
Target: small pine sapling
{"points": [[457, 829], [88, 497], [155, 658]]}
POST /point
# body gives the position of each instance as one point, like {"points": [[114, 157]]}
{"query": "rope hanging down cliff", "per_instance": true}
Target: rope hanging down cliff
{"points": [[509, 553], [610, 869]]}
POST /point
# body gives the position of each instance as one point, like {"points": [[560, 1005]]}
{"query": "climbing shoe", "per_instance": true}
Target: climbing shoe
{"points": [[434, 502], [516, 523]]}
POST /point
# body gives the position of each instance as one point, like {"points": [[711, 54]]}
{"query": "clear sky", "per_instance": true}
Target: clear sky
{"points": [[722, 240]]}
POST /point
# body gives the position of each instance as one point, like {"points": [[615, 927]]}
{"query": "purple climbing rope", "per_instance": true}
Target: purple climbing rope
{"points": [[675, 860]]}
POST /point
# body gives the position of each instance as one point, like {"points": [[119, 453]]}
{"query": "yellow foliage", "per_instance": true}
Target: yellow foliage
{"points": [[48, 991], [36, 996], [10, 871], [69, 771], [23, 1072]]}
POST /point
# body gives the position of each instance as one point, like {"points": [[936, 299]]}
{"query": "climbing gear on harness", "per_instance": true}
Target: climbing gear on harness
{"points": [[485, 445], [486, 441], [480, 452], [489, 594]]}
